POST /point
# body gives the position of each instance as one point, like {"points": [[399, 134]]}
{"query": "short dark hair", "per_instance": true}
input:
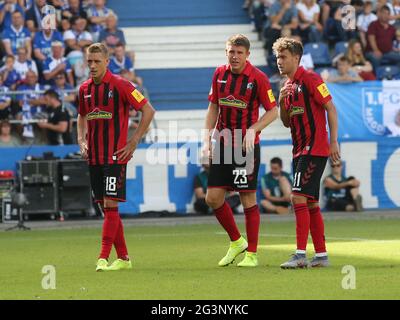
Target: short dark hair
{"points": [[239, 40], [276, 160], [343, 59], [293, 46], [52, 93], [384, 8]]}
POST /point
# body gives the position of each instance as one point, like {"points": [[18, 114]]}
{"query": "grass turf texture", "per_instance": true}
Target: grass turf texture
{"points": [[180, 262]]}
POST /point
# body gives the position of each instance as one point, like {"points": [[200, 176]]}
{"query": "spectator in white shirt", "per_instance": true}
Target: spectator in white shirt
{"points": [[364, 20], [22, 65], [310, 28]]}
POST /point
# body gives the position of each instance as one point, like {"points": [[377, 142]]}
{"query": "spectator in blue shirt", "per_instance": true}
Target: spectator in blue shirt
{"points": [[6, 10], [283, 15], [120, 60], [5, 101], [68, 98], [74, 9], [42, 44], [56, 64], [111, 35], [8, 74], [17, 36], [97, 14], [34, 16]]}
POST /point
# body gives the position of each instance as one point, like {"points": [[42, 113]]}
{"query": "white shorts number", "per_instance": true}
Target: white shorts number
{"points": [[296, 182], [111, 184], [240, 176]]}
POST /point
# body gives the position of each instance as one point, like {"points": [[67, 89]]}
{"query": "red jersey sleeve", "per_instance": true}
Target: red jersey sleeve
{"points": [[213, 95], [318, 89], [81, 106], [265, 95], [131, 94]]}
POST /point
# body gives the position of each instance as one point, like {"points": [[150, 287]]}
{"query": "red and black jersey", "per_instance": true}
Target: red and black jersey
{"points": [[106, 108], [307, 114], [239, 96]]}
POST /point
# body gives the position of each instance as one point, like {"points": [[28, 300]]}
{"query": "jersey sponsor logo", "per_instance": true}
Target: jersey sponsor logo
{"points": [[231, 101], [137, 95], [99, 114], [295, 110], [271, 96], [323, 90]]}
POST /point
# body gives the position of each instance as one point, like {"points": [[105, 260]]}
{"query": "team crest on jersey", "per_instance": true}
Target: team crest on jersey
{"points": [[98, 114], [110, 94], [295, 110], [250, 86], [231, 101]]}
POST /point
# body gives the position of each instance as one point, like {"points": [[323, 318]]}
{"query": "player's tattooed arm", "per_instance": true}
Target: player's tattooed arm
{"points": [[333, 129]]}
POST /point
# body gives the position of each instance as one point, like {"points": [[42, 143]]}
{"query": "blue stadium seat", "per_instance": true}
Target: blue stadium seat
{"points": [[341, 47], [319, 70], [319, 52], [388, 72]]}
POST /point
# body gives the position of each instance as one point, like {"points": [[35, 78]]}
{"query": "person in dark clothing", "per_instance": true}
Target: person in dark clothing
{"points": [[58, 121]]}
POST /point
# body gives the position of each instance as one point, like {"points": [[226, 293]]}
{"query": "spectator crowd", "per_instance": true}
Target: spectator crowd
{"points": [[42, 48]]}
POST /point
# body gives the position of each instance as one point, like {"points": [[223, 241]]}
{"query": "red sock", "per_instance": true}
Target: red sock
{"points": [[224, 215], [302, 225], [317, 230], [119, 242], [252, 227], [110, 228]]}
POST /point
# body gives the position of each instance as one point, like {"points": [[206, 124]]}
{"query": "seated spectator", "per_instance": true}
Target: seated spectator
{"points": [[200, 190], [17, 36], [8, 74], [68, 98], [332, 18], [380, 40], [34, 16], [310, 28], [77, 38], [5, 102], [276, 189], [6, 10], [97, 15], [358, 63], [42, 44], [343, 73], [283, 14], [81, 69], [23, 64], [364, 20], [120, 60], [342, 193], [381, 3], [111, 35], [396, 42], [31, 104], [74, 9], [56, 64], [6, 138], [57, 124], [396, 10]]}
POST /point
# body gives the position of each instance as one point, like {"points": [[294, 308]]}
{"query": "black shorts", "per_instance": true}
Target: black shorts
{"points": [[234, 173], [108, 181], [308, 171]]}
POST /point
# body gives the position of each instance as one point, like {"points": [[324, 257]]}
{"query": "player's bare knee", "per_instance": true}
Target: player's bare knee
{"points": [[296, 199], [214, 201]]}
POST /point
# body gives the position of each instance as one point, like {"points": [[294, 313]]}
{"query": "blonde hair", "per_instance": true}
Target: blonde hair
{"points": [[292, 45], [352, 56], [98, 48]]}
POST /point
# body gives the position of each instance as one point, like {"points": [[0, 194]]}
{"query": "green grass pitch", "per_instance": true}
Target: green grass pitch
{"points": [[180, 262]]}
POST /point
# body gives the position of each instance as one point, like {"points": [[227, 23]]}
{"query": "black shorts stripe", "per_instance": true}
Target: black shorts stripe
{"points": [[310, 117], [116, 121]]}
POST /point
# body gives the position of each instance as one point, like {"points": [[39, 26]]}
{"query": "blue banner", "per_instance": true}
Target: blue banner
{"points": [[367, 109], [160, 177]]}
